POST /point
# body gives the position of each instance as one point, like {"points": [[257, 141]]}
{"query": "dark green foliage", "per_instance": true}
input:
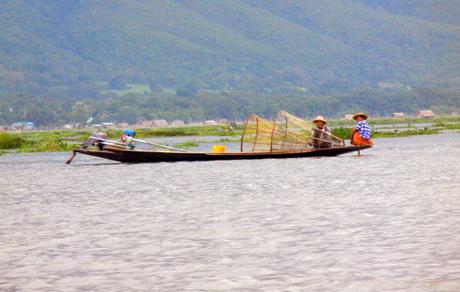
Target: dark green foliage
{"points": [[118, 83], [187, 90], [234, 105]]}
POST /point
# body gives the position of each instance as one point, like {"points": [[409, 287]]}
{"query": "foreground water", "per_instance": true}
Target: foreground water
{"points": [[385, 221]]}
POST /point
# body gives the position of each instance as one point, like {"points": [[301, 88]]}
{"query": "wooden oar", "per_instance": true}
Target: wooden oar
{"points": [[108, 142], [111, 142], [71, 157], [159, 145]]}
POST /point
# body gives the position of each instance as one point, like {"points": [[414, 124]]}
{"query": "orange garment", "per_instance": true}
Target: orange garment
{"points": [[356, 139]]}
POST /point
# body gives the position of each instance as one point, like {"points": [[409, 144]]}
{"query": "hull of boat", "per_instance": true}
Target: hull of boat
{"points": [[139, 156]]}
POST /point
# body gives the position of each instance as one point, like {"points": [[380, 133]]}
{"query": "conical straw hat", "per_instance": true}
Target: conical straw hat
{"points": [[359, 114], [319, 119]]}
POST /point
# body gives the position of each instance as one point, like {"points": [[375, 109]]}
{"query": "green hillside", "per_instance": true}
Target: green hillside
{"points": [[73, 50], [444, 11], [401, 48]]}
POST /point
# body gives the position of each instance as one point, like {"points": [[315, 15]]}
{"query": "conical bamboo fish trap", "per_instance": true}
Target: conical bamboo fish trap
{"points": [[257, 135], [286, 133], [291, 133]]}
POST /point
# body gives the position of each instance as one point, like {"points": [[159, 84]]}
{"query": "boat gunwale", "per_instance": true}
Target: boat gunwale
{"points": [[152, 156], [307, 150]]}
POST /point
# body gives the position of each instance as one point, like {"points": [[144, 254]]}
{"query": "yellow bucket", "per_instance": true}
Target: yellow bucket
{"points": [[218, 149]]}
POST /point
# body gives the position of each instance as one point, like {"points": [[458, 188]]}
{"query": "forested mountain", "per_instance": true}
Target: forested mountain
{"points": [[70, 51], [442, 11]]}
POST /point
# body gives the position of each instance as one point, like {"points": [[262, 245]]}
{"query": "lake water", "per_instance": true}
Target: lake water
{"points": [[386, 221]]}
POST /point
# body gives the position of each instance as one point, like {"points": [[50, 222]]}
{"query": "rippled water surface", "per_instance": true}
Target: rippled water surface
{"points": [[386, 221]]}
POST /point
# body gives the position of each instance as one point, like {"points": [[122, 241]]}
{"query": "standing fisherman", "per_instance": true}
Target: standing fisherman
{"points": [[361, 134]]}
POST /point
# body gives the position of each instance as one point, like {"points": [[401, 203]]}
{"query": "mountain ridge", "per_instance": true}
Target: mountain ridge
{"points": [[84, 50], [98, 40]]}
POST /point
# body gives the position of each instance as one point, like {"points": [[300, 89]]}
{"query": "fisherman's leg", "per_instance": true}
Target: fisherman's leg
{"points": [[356, 139]]}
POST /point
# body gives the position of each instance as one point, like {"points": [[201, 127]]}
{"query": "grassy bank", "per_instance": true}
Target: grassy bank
{"points": [[37, 142], [65, 140], [399, 121], [345, 133], [218, 130], [10, 141]]}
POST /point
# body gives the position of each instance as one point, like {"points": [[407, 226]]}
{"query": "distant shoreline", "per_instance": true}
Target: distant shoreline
{"points": [[66, 140]]}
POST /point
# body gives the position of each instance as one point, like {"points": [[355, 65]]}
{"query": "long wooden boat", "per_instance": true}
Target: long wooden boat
{"points": [[143, 156]]}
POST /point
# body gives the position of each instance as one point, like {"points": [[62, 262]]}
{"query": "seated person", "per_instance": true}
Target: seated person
{"points": [[361, 134], [127, 138], [321, 134]]}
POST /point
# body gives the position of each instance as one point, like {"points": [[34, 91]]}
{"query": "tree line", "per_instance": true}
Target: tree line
{"points": [[190, 104]]}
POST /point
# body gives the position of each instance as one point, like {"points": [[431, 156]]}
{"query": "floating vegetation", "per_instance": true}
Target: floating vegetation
{"points": [[452, 127], [10, 141], [45, 145], [54, 145], [345, 133], [398, 121], [227, 140], [215, 130], [404, 133], [342, 132], [34, 142], [187, 144]]}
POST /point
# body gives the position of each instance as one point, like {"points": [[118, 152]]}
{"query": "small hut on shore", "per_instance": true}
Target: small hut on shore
{"points": [[160, 123], [122, 125], [177, 123], [426, 114]]}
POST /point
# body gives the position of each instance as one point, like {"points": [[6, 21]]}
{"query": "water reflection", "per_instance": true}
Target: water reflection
{"points": [[388, 220]]}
